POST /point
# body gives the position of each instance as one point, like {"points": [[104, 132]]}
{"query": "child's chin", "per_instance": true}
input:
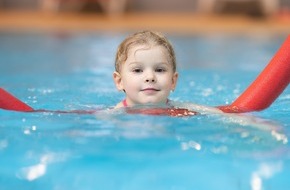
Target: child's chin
{"points": [[154, 103]]}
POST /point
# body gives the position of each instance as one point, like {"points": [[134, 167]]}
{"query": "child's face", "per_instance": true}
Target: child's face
{"points": [[147, 76]]}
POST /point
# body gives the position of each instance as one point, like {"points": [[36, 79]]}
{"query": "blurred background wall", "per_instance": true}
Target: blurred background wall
{"points": [[247, 7]]}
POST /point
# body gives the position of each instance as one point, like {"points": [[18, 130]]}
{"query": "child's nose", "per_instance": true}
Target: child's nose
{"points": [[150, 77], [150, 80]]}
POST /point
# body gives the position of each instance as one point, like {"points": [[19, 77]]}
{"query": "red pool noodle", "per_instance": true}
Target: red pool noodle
{"points": [[9, 102], [258, 96], [268, 85]]}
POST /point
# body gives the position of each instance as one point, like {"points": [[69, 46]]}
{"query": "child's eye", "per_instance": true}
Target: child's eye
{"points": [[160, 70], [137, 70]]}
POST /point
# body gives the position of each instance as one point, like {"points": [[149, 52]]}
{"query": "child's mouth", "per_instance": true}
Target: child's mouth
{"points": [[150, 89]]}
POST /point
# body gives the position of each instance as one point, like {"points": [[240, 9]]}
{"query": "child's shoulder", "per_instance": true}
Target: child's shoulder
{"points": [[119, 105]]}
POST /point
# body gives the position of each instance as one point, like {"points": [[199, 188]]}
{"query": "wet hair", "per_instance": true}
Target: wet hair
{"points": [[143, 38]]}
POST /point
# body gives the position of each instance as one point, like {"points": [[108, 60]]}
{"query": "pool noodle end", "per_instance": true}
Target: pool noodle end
{"points": [[258, 96], [268, 85], [10, 102]]}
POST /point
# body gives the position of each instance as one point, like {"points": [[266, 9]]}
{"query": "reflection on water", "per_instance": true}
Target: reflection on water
{"points": [[115, 150]]}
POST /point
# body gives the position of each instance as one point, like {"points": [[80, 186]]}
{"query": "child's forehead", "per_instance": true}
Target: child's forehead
{"points": [[143, 47], [148, 55]]}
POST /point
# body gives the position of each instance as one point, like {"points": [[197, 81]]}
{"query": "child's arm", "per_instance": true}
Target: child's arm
{"points": [[258, 96]]}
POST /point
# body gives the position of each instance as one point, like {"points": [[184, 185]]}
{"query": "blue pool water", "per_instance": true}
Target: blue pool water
{"points": [[109, 150]]}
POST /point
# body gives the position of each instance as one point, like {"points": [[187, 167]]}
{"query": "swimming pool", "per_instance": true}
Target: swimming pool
{"points": [[108, 150]]}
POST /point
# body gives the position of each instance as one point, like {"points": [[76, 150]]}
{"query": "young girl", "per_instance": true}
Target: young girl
{"points": [[146, 72], [145, 69]]}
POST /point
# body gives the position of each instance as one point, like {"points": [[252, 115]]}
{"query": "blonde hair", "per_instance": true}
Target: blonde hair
{"points": [[143, 38]]}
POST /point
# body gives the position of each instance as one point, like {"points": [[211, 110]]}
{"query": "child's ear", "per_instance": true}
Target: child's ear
{"points": [[118, 81], [174, 80]]}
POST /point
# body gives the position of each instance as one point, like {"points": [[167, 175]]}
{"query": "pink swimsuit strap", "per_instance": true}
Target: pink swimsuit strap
{"points": [[125, 103]]}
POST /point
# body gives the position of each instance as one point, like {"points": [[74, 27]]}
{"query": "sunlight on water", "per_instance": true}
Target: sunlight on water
{"points": [[112, 149]]}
